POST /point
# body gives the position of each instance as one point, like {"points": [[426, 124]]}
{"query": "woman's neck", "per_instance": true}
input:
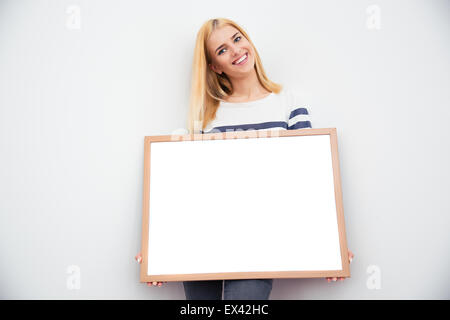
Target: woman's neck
{"points": [[247, 88]]}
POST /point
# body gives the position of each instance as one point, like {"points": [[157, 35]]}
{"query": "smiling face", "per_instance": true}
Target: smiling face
{"points": [[226, 46]]}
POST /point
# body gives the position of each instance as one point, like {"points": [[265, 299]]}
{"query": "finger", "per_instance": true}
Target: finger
{"points": [[342, 279], [350, 255], [159, 284], [138, 258], [149, 284], [334, 279], [329, 280], [155, 283]]}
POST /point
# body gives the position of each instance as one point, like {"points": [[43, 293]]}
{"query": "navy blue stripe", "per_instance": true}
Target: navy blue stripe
{"points": [[255, 126], [297, 112], [300, 124]]}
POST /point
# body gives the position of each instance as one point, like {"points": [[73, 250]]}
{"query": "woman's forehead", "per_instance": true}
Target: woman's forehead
{"points": [[221, 35]]}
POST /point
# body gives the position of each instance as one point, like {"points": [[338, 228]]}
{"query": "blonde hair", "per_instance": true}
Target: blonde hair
{"points": [[209, 88]]}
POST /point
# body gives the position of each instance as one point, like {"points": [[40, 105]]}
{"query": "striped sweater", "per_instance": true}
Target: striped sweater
{"points": [[283, 111]]}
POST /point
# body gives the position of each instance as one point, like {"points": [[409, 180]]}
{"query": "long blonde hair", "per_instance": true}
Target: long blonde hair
{"points": [[209, 88]]}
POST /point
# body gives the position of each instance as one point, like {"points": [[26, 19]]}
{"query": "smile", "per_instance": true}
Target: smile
{"points": [[242, 60]]}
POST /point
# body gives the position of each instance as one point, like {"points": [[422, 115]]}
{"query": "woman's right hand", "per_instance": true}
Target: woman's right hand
{"points": [[138, 258]]}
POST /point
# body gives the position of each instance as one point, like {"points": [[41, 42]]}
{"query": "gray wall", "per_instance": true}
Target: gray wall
{"points": [[82, 83]]}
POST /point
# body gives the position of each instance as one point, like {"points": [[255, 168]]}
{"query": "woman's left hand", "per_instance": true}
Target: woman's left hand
{"points": [[350, 258]]}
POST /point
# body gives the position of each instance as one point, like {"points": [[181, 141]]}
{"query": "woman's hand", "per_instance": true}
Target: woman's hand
{"points": [[138, 258], [350, 258]]}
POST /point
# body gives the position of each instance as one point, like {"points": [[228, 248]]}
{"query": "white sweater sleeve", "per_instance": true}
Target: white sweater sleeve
{"points": [[298, 113]]}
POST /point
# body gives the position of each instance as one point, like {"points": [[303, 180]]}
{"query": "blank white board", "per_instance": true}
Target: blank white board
{"points": [[263, 207]]}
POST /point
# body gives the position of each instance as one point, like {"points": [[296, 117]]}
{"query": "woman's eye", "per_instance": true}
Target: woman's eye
{"points": [[220, 52]]}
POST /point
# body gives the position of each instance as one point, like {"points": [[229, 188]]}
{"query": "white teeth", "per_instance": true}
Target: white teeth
{"points": [[241, 59]]}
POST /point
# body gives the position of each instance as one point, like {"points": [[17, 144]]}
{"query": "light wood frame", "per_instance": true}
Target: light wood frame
{"points": [[149, 140]]}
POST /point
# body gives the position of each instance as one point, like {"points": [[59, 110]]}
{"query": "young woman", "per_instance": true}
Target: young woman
{"points": [[230, 91]]}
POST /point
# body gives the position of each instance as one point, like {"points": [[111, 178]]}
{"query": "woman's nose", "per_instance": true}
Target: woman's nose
{"points": [[236, 51]]}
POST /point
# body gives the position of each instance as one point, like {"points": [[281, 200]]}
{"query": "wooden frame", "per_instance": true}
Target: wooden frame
{"points": [[337, 217]]}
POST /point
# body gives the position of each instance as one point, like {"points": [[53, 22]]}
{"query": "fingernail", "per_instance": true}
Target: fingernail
{"points": [[351, 260]]}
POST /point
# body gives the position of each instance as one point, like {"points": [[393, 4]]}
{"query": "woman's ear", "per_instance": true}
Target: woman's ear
{"points": [[215, 69]]}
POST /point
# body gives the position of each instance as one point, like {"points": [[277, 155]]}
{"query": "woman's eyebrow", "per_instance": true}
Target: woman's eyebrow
{"points": [[224, 43]]}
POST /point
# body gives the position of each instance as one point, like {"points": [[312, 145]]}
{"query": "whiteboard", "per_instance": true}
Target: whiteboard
{"points": [[260, 207]]}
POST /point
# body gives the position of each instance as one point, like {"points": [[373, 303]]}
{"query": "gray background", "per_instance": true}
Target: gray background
{"points": [[76, 101]]}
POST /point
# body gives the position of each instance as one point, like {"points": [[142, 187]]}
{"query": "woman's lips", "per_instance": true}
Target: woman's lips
{"points": [[242, 62]]}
